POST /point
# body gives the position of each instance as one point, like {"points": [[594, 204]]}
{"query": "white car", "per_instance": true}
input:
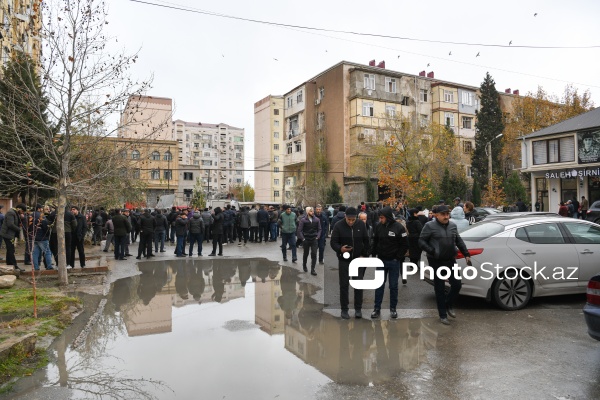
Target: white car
{"points": [[517, 259]]}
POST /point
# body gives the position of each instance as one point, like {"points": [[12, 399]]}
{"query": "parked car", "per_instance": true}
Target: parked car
{"points": [[591, 310], [593, 213], [483, 212], [552, 245], [520, 214]]}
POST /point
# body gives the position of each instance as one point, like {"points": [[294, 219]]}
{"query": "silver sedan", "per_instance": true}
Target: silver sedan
{"points": [[517, 259]]}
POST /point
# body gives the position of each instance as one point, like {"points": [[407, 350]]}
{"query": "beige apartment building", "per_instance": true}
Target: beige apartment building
{"points": [[212, 153], [148, 118], [345, 111], [269, 132], [19, 30]]}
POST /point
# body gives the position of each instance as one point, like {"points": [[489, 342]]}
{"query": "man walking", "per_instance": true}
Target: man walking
{"points": [[309, 231], [324, 231], [350, 240], [287, 222], [439, 239], [390, 244]]}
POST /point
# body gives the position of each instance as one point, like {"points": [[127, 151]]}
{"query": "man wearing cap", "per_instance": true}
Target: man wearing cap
{"points": [[439, 239], [390, 243], [457, 202], [350, 240]]}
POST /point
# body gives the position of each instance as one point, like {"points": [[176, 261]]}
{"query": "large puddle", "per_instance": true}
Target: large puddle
{"points": [[227, 329]]}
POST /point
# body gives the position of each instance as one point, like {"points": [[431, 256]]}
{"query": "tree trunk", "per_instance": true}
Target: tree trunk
{"points": [[63, 279]]}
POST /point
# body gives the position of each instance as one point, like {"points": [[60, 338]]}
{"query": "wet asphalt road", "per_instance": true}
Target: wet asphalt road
{"points": [[541, 352]]}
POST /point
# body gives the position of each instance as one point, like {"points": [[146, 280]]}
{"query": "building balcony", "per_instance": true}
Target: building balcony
{"points": [[296, 157]]}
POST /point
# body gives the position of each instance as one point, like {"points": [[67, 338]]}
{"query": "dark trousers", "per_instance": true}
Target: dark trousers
{"points": [[217, 239], [207, 233], [322, 244], [345, 286], [273, 231], [288, 239], [97, 236], [443, 300], [254, 233], [77, 245], [10, 252], [243, 233], [391, 270], [180, 248], [54, 247], [172, 237], [146, 241], [263, 231], [195, 238], [309, 245], [120, 243]]}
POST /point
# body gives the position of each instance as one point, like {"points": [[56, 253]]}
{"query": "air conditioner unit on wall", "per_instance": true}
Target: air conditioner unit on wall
{"points": [[361, 136], [317, 102]]}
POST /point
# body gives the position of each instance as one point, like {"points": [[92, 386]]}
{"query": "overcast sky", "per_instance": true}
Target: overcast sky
{"points": [[216, 68]]}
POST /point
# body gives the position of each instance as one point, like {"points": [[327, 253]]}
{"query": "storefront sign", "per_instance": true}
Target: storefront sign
{"points": [[574, 173]]}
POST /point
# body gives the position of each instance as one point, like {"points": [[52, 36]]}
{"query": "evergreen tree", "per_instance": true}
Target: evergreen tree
{"points": [[333, 194], [514, 189], [489, 125], [476, 193]]}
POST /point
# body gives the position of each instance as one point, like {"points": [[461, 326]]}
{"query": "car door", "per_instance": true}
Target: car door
{"points": [[541, 245], [587, 244]]}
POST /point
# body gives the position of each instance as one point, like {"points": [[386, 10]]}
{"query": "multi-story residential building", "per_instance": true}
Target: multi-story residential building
{"points": [[269, 149], [342, 113], [19, 28], [148, 118], [213, 153]]}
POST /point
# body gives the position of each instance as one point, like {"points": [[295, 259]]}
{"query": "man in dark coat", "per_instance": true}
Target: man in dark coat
{"points": [[196, 232], [217, 231], [160, 231], [147, 224], [11, 228], [414, 227], [122, 228], [78, 237], [309, 231]]}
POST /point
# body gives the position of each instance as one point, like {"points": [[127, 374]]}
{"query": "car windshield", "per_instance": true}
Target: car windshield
{"points": [[481, 231]]}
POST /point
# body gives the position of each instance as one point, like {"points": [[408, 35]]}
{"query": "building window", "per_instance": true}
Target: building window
{"points": [[368, 136], [188, 194], [288, 194], [299, 97], [405, 100], [276, 122], [155, 174], [390, 111], [321, 92], [289, 148], [320, 120], [298, 145], [567, 149], [197, 154], [207, 154], [276, 193], [424, 120], [135, 155], [196, 162], [294, 127], [467, 98], [276, 146], [276, 159], [123, 153], [188, 176], [135, 174], [276, 111], [467, 123], [390, 85], [275, 169], [289, 102], [276, 135], [168, 156], [167, 174], [448, 96], [155, 156], [367, 109], [207, 163], [554, 150], [423, 95], [238, 156], [369, 81], [467, 146], [449, 119], [276, 182]]}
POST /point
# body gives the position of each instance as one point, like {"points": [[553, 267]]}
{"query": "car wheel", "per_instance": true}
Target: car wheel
{"points": [[512, 294]]}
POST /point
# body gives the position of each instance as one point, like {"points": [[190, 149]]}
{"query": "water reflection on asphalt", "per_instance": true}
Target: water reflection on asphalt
{"points": [[226, 328]]}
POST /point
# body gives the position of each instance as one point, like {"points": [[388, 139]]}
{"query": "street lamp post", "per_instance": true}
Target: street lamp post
{"points": [[488, 150]]}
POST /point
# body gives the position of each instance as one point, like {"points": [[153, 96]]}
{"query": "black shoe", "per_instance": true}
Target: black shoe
{"points": [[404, 281], [138, 258], [220, 254], [129, 255], [285, 259], [304, 268], [83, 266], [19, 269], [445, 321], [345, 314], [151, 255], [123, 259], [106, 251], [358, 314], [163, 251], [451, 312], [49, 269], [321, 262], [28, 263], [313, 272], [393, 313], [180, 255], [375, 314], [212, 254], [294, 260]]}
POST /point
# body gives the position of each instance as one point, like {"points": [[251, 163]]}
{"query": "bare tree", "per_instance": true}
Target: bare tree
{"points": [[69, 148]]}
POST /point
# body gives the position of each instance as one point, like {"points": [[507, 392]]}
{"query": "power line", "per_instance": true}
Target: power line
{"points": [[214, 14]]}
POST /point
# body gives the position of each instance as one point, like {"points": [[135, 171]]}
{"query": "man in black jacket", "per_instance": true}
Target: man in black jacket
{"points": [[350, 237], [160, 231], [439, 239], [309, 231], [11, 228], [122, 227], [414, 228], [390, 243], [146, 224], [78, 237]]}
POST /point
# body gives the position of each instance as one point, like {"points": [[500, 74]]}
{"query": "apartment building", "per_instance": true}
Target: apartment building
{"points": [[19, 30], [269, 149], [343, 112], [210, 153]]}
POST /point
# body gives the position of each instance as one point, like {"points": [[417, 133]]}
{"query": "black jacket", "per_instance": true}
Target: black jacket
{"points": [[355, 236], [172, 217], [414, 227], [161, 223], [147, 223], [217, 222], [309, 230], [440, 241], [11, 226], [121, 225], [181, 226], [338, 217], [390, 240], [262, 216], [196, 224], [81, 228]]}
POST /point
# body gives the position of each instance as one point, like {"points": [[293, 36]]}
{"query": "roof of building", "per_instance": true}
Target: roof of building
{"points": [[205, 125], [588, 120]]}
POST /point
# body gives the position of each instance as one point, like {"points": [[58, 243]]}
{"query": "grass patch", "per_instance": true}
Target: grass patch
{"points": [[21, 365], [20, 301]]}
